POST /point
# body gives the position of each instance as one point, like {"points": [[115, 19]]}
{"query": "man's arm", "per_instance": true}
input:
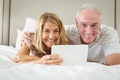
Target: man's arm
{"points": [[26, 39], [112, 59]]}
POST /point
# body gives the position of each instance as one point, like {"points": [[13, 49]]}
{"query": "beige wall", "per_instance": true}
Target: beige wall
{"points": [[4, 21], [20, 9], [118, 17], [1, 9], [66, 9], [6, 24]]}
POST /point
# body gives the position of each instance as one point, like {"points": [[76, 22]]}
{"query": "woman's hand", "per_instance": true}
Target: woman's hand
{"points": [[50, 60], [24, 58]]}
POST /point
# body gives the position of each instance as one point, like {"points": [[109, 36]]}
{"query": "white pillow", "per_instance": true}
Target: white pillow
{"points": [[18, 39], [29, 26]]}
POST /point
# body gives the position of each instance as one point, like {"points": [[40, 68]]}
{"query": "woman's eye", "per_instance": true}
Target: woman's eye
{"points": [[56, 31], [46, 30]]}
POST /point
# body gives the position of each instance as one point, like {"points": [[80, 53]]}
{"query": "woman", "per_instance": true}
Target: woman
{"points": [[49, 31]]}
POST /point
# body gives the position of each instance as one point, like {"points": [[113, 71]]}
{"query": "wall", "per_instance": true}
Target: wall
{"points": [[20, 9], [118, 16], [4, 21], [1, 14]]}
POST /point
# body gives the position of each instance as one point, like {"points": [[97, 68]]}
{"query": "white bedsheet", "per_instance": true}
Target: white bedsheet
{"points": [[32, 71]]}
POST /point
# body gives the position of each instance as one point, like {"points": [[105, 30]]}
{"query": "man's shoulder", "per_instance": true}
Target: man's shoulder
{"points": [[71, 29], [107, 31], [106, 27], [72, 33], [70, 26]]}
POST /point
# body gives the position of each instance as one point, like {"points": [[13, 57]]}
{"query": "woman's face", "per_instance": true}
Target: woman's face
{"points": [[50, 34]]}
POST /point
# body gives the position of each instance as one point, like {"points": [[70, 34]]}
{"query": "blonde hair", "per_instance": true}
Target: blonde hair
{"points": [[37, 40]]}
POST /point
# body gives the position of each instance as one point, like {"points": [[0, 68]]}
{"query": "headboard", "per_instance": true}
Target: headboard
{"points": [[65, 9]]}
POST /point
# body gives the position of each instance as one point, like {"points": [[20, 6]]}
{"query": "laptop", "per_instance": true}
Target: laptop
{"points": [[71, 54]]}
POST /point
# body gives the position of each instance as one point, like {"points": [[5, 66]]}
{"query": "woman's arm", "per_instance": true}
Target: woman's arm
{"points": [[23, 55]]}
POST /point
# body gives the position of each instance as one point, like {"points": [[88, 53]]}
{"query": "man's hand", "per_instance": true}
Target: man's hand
{"points": [[27, 38]]}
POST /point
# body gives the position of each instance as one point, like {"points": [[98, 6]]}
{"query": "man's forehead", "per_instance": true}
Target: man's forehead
{"points": [[88, 15], [93, 23]]}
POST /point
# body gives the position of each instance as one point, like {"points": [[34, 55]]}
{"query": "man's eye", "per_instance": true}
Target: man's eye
{"points": [[84, 25], [94, 26]]}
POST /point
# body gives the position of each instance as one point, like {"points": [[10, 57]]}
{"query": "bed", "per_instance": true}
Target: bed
{"points": [[17, 25], [31, 71]]}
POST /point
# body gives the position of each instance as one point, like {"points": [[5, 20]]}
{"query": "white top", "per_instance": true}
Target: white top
{"points": [[107, 42]]}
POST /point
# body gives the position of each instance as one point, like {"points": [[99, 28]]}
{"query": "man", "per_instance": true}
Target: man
{"points": [[103, 41]]}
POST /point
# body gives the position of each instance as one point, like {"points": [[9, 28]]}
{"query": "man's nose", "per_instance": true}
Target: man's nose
{"points": [[88, 30]]}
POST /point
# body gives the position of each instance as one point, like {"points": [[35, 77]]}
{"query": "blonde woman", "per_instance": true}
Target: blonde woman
{"points": [[49, 31]]}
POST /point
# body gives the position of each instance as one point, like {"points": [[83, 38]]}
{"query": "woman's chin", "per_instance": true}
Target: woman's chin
{"points": [[50, 45]]}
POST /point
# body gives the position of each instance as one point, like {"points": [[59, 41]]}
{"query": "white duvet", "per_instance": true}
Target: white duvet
{"points": [[32, 71]]}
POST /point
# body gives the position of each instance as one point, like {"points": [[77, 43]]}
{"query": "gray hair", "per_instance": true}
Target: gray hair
{"points": [[87, 6]]}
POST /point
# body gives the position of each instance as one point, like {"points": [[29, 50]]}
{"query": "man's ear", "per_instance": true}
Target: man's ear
{"points": [[76, 22]]}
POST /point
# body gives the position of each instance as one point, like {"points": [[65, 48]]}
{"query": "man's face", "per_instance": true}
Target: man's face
{"points": [[88, 24]]}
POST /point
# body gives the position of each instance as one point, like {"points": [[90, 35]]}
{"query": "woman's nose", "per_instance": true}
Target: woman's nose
{"points": [[51, 35]]}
